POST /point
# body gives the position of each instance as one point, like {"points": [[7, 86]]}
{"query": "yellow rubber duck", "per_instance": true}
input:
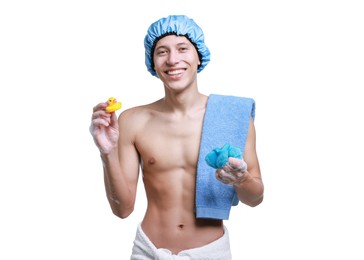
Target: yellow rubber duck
{"points": [[113, 105]]}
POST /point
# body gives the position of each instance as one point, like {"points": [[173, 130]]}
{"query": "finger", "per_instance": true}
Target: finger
{"points": [[100, 106], [113, 119], [225, 177], [220, 178], [99, 122], [100, 114], [235, 164], [228, 175]]}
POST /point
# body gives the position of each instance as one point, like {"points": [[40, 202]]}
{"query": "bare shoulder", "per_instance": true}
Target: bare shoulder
{"points": [[136, 117]]}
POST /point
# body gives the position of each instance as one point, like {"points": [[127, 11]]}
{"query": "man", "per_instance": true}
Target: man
{"points": [[164, 138]]}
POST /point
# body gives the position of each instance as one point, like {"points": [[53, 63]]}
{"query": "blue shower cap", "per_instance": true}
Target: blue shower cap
{"points": [[179, 25]]}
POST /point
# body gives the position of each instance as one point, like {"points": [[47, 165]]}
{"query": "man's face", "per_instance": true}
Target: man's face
{"points": [[175, 60]]}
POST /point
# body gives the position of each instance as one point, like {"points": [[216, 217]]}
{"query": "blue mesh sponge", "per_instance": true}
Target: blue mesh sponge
{"points": [[218, 157]]}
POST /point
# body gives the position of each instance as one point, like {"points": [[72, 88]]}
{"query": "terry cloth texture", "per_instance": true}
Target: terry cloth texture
{"points": [[144, 249], [226, 121]]}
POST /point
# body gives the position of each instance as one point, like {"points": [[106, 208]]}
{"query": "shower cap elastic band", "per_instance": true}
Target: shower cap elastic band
{"points": [[179, 25]]}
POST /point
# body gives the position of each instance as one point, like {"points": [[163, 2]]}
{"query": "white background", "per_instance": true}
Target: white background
{"points": [[302, 61]]}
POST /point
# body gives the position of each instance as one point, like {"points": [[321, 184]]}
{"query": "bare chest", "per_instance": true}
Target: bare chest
{"points": [[167, 145]]}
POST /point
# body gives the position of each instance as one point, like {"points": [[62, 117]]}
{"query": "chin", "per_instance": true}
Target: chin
{"points": [[178, 85]]}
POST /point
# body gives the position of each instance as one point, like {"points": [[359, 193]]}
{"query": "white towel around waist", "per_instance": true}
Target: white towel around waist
{"points": [[144, 249]]}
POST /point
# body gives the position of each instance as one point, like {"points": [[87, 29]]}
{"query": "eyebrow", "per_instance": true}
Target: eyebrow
{"points": [[178, 44]]}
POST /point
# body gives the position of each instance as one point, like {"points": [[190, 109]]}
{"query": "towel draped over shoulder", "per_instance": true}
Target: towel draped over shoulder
{"points": [[226, 121]]}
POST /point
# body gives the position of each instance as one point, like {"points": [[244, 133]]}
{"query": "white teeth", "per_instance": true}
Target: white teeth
{"points": [[174, 72]]}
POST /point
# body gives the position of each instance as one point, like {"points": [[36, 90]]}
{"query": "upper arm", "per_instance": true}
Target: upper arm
{"points": [[128, 154]]}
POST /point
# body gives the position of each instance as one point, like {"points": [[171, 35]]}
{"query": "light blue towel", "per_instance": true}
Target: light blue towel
{"points": [[226, 121]]}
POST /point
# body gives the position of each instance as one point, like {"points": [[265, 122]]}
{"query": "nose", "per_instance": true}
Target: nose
{"points": [[173, 58]]}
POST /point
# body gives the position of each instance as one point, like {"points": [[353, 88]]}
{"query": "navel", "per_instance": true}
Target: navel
{"points": [[181, 226]]}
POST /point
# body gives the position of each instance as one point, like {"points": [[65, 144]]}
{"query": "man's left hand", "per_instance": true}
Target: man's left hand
{"points": [[232, 173]]}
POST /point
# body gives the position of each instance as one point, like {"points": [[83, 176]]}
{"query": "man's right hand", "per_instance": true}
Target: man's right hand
{"points": [[104, 128]]}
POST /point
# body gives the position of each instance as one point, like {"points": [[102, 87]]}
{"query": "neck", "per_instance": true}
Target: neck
{"points": [[184, 101]]}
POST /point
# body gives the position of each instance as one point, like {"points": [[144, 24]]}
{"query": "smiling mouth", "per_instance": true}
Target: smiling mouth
{"points": [[175, 72]]}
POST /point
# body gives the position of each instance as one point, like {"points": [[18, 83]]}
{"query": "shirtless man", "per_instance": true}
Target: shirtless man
{"points": [[164, 137]]}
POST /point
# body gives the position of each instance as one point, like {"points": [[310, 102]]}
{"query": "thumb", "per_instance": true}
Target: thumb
{"points": [[113, 119]]}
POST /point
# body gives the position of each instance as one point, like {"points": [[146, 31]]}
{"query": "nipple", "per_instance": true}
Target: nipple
{"points": [[151, 161]]}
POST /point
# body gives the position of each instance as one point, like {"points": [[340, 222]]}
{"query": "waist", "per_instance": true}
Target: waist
{"points": [[180, 232]]}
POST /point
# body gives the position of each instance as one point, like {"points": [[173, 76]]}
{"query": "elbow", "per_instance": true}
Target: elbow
{"points": [[119, 210], [122, 213], [252, 202], [122, 216], [255, 202]]}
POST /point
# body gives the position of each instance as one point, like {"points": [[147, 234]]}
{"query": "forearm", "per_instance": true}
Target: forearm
{"points": [[118, 190], [250, 190]]}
